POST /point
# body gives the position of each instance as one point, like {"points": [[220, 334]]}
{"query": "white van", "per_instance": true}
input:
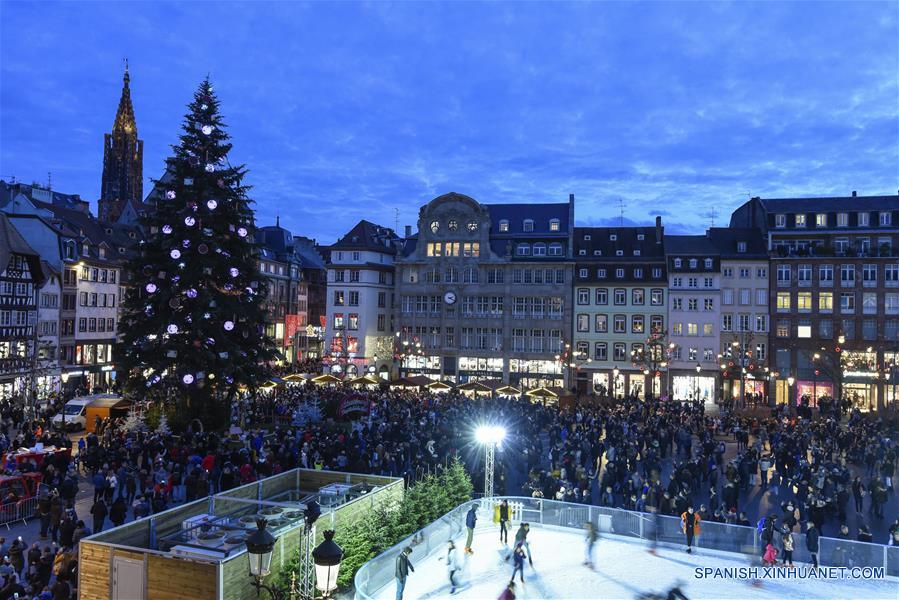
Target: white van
{"points": [[75, 412]]}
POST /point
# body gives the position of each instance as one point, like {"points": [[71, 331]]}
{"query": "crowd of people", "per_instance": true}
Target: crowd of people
{"points": [[645, 455]]}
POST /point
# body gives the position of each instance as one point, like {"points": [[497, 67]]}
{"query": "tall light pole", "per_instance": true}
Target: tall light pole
{"points": [[698, 371], [490, 437]]}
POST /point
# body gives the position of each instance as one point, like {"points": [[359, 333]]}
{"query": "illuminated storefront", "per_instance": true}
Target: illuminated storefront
{"points": [[474, 368], [421, 365], [689, 387], [814, 390], [531, 374]]}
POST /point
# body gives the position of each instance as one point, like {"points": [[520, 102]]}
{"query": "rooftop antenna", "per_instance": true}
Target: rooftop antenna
{"points": [[396, 220], [712, 214], [49, 180], [621, 205]]}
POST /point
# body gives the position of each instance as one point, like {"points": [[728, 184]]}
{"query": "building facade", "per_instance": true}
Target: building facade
{"points": [[484, 292], [47, 360], [282, 267], [693, 316], [21, 276], [620, 300], [313, 298], [359, 334], [834, 295], [743, 356]]}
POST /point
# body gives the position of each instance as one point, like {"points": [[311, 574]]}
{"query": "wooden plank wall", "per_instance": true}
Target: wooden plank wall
{"points": [[178, 579], [93, 571], [135, 534]]}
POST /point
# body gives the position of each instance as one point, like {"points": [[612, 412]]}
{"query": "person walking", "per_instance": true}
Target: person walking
{"points": [[403, 567], [590, 541], [99, 512], [503, 521], [858, 493], [787, 540], [471, 519], [811, 542], [690, 522], [518, 561], [452, 565]]}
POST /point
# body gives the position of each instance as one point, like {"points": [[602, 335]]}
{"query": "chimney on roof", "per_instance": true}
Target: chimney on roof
{"points": [[408, 231], [854, 193], [658, 229]]}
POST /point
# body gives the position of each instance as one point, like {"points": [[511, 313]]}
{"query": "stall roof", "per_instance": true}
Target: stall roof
{"points": [[110, 403]]}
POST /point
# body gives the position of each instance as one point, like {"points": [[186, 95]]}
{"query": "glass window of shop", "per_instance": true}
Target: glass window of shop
{"points": [[689, 387]]}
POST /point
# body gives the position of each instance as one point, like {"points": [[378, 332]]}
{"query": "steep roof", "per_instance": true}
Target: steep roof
{"points": [[690, 244], [12, 242], [627, 239], [368, 236], [841, 203], [725, 239], [540, 213]]}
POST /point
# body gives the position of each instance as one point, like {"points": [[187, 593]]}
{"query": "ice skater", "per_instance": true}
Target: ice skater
{"points": [[589, 541], [521, 539], [452, 565], [690, 521], [403, 566], [503, 521], [471, 519], [518, 560]]}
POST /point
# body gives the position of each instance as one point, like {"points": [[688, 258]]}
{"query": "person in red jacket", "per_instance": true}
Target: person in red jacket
{"points": [[690, 521], [509, 592]]}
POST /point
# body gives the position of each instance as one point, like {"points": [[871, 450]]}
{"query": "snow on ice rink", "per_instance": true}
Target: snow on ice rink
{"points": [[624, 569]]}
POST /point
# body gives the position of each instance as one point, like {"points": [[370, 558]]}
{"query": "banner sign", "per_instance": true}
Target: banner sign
{"points": [[291, 327], [353, 403]]}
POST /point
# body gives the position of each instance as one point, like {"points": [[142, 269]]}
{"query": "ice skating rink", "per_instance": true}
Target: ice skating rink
{"points": [[624, 569]]}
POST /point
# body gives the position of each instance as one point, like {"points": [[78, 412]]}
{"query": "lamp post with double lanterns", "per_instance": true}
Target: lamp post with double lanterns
{"points": [[325, 557], [696, 387], [655, 358]]}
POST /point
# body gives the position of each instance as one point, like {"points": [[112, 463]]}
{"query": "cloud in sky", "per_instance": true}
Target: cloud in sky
{"points": [[349, 111]]}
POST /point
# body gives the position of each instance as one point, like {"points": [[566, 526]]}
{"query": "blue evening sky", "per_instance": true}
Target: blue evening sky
{"points": [[348, 111]]}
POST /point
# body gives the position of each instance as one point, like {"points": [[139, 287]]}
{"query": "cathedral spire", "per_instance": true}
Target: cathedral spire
{"points": [[124, 118]]}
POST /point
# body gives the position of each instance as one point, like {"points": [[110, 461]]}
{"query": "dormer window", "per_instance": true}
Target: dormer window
{"points": [[601, 273], [528, 225], [597, 253], [619, 273], [504, 225], [864, 219], [554, 224], [677, 263], [435, 226], [886, 218], [613, 237], [636, 253], [102, 252], [821, 220], [108, 231], [741, 247], [640, 237], [121, 250], [708, 263], [582, 253], [587, 237], [85, 249], [693, 263], [800, 220], [132, 235], [452, 225], [780, 221], [619, 252], [842, 219]]}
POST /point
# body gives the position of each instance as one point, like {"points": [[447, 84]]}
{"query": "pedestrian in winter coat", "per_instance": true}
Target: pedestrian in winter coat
{"points": [[403, 566], [471, 519], [99, 512], [690, 521], [521, 538], [118, 511], [811, 543], [17, 555], [503, 521], [509, 592], [770, 557], [590, 541]]}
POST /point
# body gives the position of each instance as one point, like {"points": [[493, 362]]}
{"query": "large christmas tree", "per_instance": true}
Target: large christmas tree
{"points": [[193, 328]]}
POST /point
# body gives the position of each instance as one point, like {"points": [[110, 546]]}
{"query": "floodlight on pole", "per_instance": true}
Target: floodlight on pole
{"points": [[490, 436]]}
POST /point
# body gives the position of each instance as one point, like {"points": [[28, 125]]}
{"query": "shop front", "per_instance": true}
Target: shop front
{"points": [[420, 365], [476, 368], [756, 391], [861, 390], [692, 387], [813, 390], [532, 374]]}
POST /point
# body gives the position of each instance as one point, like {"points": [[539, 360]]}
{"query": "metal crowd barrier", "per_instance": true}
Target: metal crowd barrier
{"points": [[738, 539], [21, 510]]}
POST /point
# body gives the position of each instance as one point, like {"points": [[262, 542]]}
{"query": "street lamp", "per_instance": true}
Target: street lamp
{"points": [[259, 554], [615, 373], [790, 381], [489, 436], [698, 371], [327, 557]]}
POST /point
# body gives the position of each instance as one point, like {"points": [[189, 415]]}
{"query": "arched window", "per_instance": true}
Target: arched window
{"points": [[523, 250], [504, 225], [539, 249], [528, 225], [554, 225], [555, 249]]}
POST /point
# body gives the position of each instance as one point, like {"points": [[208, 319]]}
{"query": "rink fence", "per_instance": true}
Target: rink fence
{"points": [[665, 530]]}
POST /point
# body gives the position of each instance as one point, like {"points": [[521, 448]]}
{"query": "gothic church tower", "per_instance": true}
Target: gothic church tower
{"points": [[121, 194]]}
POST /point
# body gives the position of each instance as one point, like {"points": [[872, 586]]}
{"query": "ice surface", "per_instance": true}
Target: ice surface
{"points": [[623, 570]]}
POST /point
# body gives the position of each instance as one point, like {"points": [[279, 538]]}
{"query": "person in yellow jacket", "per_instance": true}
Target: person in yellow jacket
{"points": [[690, 521]]}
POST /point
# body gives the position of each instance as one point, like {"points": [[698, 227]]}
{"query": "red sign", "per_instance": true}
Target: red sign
{"points": [[291, 326]]}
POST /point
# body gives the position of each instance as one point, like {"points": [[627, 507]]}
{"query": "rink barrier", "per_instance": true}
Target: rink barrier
{"points": [[665, 530]]}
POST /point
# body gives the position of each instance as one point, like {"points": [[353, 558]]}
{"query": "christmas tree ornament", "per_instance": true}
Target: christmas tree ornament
{"points": [[170, 195], [212, 204], [210, 167], [147, 270], [204, 107], [207, 129], [172, 329], [151, 288], [185, 243], [203, 249], [188, 181], [175, 303], [167, 229], [228, 287], [210, 341], [233, 272], [175, 253], [242, 232], [229, 325], [187, 379], [191, 293], [190, 221]]}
